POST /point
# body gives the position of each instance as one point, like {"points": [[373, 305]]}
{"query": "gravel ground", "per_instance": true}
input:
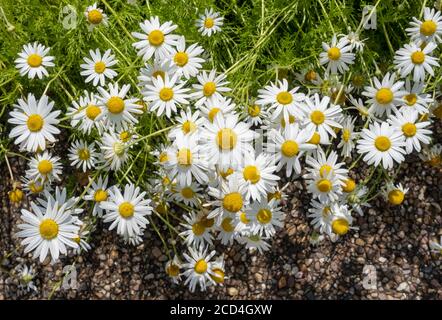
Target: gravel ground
{"points": [[392, 239]]}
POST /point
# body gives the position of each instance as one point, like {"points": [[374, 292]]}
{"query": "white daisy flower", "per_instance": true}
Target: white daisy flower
{"points": [[188, 123], [385, 96], [324, 186], [115, 152], [321, 116], [98, 192], [415, 132], [127, 211], [210, 22], [411, 58], [83, 155], [186, 62], [198, 268], [163, 95], [188, 194], [80, 239], [255, 242], [85, 113], [320, 211], [35, 123], [33, 60], [47, 230], [209, 86], [225, 141], [337, 55], [228, 229], [264, 217], [158, 68], [255, 114], [97, 68], [116, 109], [395, 194], [218, 270], [432, 156], [415, 98], [288, 146], [355, 41], [322, 164], [95, 16], [44, 167], [347, 136], [156, 39], [381, 142], [34, 186], [282, 101], [196, 232], [257, 175], [429, 30], [341, 220], [358, 199], [26, 277], [173, 269], [212, 107]]}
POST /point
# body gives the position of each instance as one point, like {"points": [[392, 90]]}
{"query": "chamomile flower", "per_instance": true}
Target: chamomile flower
{"points": [[218, 270], [341, 220], [80, 239], [198, 268], [156, 40], [426, 31], [188, 123], [264, 217], [158, 68], [337, 55], [86, 113], [321, 116], [34, 186], [228, 229], [212, 107], [415, 98], [322, 164], [188, 194], [225, 141], [116, 108], [98, 192], [35, 123], [209, 86], [288, 147], [320, 211], [163, 95], [44, 167], [357, 199], [436, 247], [257, 175], [47, 230], [127, 211], [26, 277], [385, 96], [254, 241], [355, 41], [196, 232], [414, 131], [432, 156], [307, 76], [83, 155], [95, 16], [186, 62], [395, 194], [210, 22], [97, 68], [33, 60], [163, 154], [255, 114], [173, 269], [114, 151], [411, 58], [281, 100], [381, 143], [324, 186], [347, 136]]}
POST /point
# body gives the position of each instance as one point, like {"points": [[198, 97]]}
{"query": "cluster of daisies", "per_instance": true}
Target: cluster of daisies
{"points": [[218, 178]]}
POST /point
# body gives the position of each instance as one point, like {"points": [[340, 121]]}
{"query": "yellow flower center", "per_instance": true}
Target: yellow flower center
{"points": [[218, 275], [315, 139], [326, 212], [160, 73], [173, 270], [99, 67], [264, 216], [274, 195], [233, 202], [34, 60], [226, 173], [44, 167], [84, 154], [198, 228], [200, 266], [428, 28], [166, 94], [181, 59], [418, 57], [209, 23], [15, 195], [317, 117], [382, 143], [187, 193], [384, 95], [115, 105], [184, 157], [410, 99], [126, 210], [324, 185], [156, 38], [209, 88], [226, 139], [349, 186], [243, 218], [284, 97], [358, 80], [100, 195], [340, 226], [118, 148], [92, 112], [254, 111], [35, 122], [396, 197], [124, 136], [188, 127], [227, 226], [163, 157], [324, 170], [310, 76], [251, 173], [48, 229], [346, 135], [290, 148], [212, 113], [95, 16], [334, 53], [409, 129]]}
